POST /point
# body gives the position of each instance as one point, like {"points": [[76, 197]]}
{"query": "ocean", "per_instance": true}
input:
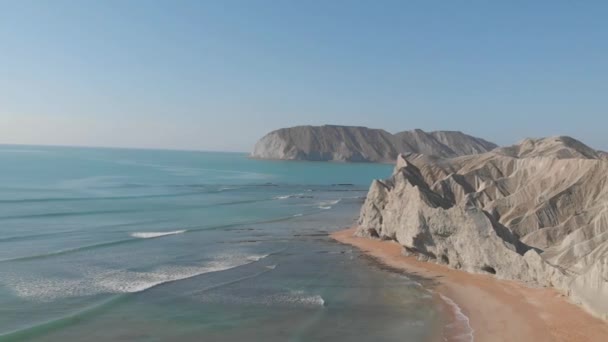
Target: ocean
{"points": [[143, 245]]}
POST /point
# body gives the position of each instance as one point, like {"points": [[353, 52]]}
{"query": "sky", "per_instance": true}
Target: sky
{"points": [[218, 75]]}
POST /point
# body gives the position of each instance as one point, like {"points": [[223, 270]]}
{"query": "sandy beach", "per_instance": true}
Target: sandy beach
{"points": [[498, 310]]}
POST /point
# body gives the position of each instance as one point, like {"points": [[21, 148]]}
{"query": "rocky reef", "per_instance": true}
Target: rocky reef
{"points": [[536, 212]]}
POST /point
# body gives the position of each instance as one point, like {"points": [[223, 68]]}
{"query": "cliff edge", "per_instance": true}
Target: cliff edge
{"points": [[535, 212]]}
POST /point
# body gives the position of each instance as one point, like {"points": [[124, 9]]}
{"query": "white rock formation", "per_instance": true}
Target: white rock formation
{"points": [[535, 212], [361, 144]]}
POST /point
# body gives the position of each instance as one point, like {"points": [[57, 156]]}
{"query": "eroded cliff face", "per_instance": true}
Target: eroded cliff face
{"points": [[541, 219], [328, 143]]}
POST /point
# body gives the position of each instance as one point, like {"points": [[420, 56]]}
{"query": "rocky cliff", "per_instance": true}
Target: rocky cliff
{"points": [[535, 212], [442, 143], [361, 144], [328, 143]]}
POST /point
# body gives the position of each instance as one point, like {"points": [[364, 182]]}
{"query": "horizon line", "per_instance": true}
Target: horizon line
{"points": [[119, 148]]}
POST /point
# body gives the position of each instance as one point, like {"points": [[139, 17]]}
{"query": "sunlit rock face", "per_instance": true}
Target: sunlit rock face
{"points": [[361, 144], [535, 212]]}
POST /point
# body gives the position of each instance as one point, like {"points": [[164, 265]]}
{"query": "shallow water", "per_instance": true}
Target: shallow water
{"points": [[103, 244]]}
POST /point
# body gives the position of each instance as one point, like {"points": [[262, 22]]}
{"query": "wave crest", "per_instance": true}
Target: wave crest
{"points": [[326, 205], [282, 299], [461, 320], [151, 235], [97, 281], [301, 195]]}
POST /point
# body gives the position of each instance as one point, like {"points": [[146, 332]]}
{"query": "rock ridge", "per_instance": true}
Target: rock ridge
{"points": [[536, 212], [362, 144]]}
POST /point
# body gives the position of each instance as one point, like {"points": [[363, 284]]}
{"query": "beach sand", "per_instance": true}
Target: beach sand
{"points": [[498, 310]]}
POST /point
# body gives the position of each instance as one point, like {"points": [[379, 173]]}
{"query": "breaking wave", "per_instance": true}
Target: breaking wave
{"points": [[229, 188], [42, 328], [461, 320], [300, 298], [282, 299], [326, 205], [150, 235], [140, 239], [98, 281], [292, 196]]}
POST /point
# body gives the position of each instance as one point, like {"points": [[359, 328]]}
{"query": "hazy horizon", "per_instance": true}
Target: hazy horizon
{"points": [[186, 149], [217, 76]]}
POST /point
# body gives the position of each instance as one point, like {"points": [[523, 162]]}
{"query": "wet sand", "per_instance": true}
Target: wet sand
{"points": [[498, 310]]}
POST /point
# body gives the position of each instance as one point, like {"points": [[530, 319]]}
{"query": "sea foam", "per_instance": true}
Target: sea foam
{"points": [[461, 320], [294, 298], [326, 205], [282, 299], [301, 195], [150, 235], [97, 281]]}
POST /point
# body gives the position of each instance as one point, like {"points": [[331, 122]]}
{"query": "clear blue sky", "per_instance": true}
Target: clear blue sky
{"points": [[217, 75]]}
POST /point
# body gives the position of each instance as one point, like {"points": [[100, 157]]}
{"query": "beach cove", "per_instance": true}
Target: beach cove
{"points": [[497, 310]]}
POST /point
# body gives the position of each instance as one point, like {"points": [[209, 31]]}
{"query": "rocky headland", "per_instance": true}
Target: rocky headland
{"points": [[535, 212]]}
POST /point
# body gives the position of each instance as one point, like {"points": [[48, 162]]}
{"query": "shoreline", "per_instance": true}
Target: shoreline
{"points": [[497, 310]]}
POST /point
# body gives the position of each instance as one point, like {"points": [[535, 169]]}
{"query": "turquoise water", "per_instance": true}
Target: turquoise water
{"points": [[107, 244]]}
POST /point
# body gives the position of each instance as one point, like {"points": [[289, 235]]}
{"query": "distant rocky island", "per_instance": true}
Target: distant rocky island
{"points": [[536, 212], [361, 144]]}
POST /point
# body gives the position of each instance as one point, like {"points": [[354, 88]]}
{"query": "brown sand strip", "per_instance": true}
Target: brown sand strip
{"points": [[498, 310]]}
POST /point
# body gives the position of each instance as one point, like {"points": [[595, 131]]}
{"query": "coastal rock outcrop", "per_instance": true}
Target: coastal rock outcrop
{"points": [[361, 144], [327, 143], [535, 212], [442, 143]]}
